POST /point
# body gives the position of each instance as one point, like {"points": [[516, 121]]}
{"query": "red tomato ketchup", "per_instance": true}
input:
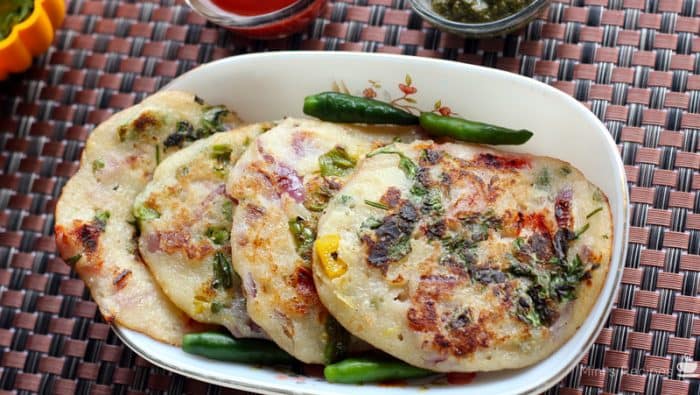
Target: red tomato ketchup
{"points": [[252, 7], [284, 26]]}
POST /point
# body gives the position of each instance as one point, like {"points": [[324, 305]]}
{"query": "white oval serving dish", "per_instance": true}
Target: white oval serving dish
{"points": [[269, 86]]}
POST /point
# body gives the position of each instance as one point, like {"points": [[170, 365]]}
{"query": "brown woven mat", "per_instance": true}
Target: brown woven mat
{"points": [[635, 63]]}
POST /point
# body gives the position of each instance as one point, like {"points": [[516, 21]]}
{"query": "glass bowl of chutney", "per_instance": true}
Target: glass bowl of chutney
{"points": [[479, 18], [269, 19]]}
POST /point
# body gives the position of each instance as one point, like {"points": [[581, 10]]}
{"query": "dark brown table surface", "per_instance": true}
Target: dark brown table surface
{"points": [[634, 63]]}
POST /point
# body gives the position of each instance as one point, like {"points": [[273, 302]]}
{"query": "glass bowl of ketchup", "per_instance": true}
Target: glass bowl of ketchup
{"points": [[261, 19]]}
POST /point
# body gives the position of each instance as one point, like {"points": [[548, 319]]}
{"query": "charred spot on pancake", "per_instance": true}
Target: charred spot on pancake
{"points": [[430, 157], [175, 241], [253, 212], [465, 339], [436, 230], [541, 245], [183, 131], [392, 238], [499, 162], [561, 242], [303, 283], [423, 317], [461, 320], [456, 332], [391, 197], [121, 279], [89, 236], [546, 309], [423, 177], [145, 122], [488, 275]]}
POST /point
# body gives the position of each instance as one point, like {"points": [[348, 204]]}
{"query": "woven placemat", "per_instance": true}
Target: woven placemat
{"points": [[634, 63]]}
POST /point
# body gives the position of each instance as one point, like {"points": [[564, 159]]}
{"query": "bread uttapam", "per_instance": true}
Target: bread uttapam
{"points": [[95, 228], [185, 233], [455, 257], [282, 183]]}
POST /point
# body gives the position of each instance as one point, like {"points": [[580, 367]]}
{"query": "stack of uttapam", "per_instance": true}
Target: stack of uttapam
{"points": [[448, 256]]}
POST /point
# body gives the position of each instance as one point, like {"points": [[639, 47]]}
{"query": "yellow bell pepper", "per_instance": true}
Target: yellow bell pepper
{"points": [[327, 252], [31, 37]]}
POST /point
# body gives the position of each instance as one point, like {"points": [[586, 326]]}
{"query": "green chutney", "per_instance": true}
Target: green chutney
{"points": [[477, 11]]}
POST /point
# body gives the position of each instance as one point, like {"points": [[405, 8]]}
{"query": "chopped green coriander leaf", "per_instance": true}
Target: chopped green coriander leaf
{"points": [[432, 201], [408, 167], [212, 121], [594, 212], [418, 190], [400, 248], [582, 230], [543, 178], [518, 243], [405, 163], [376, 205]]}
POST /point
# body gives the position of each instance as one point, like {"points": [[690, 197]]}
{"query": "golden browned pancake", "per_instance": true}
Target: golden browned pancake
{"points": [[185, 243], [94, 223], [454, 257], [282, 184]]}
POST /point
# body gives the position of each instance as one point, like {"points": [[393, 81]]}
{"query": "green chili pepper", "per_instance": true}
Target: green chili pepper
{"points": [[475, 132], [339, 107], [363, 370], [338, 341], [222, 347], [223, 273], [304, 236]]}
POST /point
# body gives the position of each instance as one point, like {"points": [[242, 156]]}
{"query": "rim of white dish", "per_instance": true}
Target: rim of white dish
{"points": [[610, 147]]}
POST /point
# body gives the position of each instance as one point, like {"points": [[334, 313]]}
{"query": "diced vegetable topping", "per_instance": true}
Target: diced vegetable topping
{"points": [[221, 152], [327, 252], [145, 213], [304, 236], [218, 234], [97, 165], [405, 163], [336, 162]]}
